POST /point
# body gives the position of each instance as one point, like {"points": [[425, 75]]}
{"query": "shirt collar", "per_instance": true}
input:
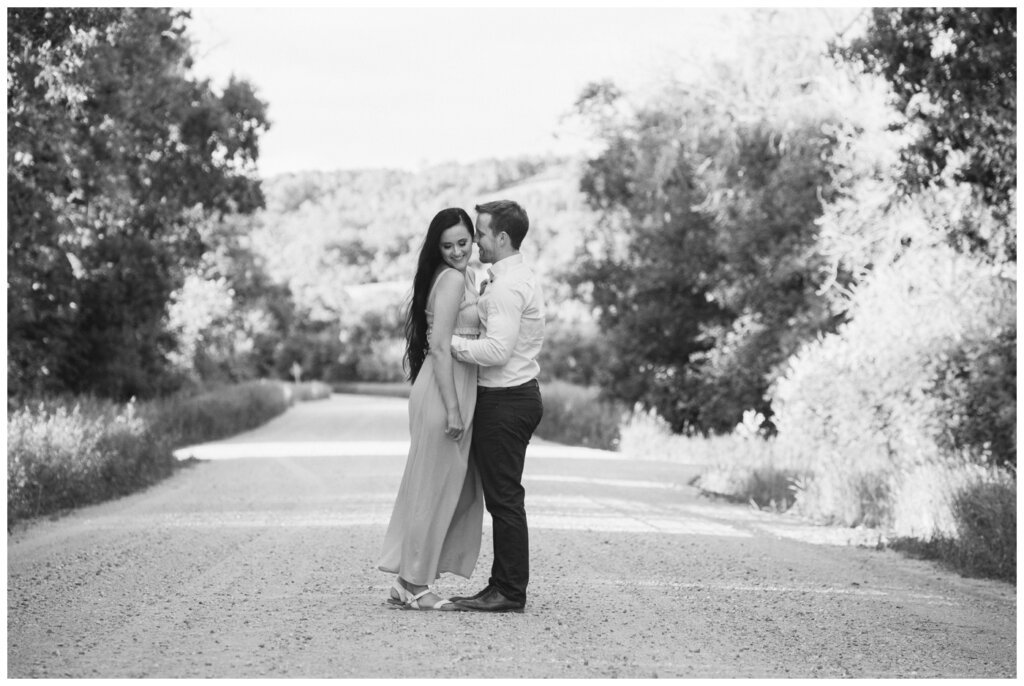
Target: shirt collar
{"points": [[502, 266]]}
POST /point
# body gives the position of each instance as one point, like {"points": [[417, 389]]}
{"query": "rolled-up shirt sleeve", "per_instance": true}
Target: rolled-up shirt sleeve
{"points": [[503, 313]]}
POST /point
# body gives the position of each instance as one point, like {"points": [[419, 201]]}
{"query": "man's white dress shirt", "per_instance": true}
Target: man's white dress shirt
{"points": [[512, 326]]}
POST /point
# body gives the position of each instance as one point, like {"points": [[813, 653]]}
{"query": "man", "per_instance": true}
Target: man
{"points": [[508, 405]]}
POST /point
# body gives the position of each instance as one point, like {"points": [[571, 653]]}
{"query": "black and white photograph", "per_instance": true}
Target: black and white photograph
{"points": [[476, 341]]}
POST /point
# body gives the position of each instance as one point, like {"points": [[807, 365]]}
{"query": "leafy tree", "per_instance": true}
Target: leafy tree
{"points": [[230, 317], [953, 73], [978, 385], [115, 157], [709, 273], [654, 292]]}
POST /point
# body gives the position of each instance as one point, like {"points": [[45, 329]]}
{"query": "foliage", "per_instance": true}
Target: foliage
{"points": [[864, 402], [228, 317], [904, 417], [892, 415], [381, 362], [363, 228], [573, 347], [765, 487], [979, 538], [953, 73], [986, 540], [708, 274], [67, 452], [325, 232], [986, 515], [576, 415], [741, 467], [61, 455], [310, 390], [115, 155], [183, 419], [926, 398], [976, 382]]}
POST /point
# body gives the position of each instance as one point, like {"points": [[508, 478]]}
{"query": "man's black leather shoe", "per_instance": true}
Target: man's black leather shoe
{"points": [[490, 601], [476, 595]]}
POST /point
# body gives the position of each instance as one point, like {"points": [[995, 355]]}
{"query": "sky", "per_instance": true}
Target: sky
{"points": [[412, 87]]}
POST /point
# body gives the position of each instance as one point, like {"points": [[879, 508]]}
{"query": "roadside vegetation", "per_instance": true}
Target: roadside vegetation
{"points": [[67, 452], [795, 266], [805, 268], [578, 415]]}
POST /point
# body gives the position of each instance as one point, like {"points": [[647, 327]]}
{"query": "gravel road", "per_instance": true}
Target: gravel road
{"points": [[258, 560]]}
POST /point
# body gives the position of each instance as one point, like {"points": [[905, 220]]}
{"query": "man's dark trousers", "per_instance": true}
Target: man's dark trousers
{"points": [[503, 423]]}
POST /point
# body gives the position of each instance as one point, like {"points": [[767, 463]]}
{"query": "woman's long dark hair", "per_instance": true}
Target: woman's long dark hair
{"points": [[429, 262]]}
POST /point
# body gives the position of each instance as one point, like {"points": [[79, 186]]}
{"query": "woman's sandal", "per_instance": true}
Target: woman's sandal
{"points": [[399, 594], [442, 605]]}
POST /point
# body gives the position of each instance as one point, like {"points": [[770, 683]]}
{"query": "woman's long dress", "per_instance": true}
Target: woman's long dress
{"points": [[438, 515]]}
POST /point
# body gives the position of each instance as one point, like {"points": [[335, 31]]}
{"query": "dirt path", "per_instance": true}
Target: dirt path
{"points": [[264, 566]]}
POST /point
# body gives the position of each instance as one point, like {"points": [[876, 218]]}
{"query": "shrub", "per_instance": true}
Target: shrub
{"points": [[977, 384], [576, 415], [218, 413], [573, 347], [986, 541], [986, 515], [382, 361], [859, 410], [844, 496], [766, 487], [644, 435], [65, 453]]}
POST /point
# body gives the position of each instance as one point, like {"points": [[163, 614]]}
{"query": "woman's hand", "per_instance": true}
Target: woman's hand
{"points": [[455, 428]]}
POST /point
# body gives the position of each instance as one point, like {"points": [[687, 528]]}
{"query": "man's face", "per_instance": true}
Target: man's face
{"points": [[486, 241]]}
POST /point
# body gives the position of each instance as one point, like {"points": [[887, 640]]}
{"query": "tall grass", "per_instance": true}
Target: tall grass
{"points": [[986, 542], [68, 452], [955, 511], [739, 467], [215, 414]]}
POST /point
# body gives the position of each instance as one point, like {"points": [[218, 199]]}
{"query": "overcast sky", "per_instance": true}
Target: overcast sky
{"points": [[392, 87]]}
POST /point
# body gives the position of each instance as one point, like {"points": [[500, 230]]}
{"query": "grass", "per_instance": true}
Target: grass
{"points": [[68, 452], [65, 453], [960, 514], [183, 420], [986, 544]]}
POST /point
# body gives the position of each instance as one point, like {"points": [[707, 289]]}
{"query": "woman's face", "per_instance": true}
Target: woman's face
{"points": [[457, 247]]}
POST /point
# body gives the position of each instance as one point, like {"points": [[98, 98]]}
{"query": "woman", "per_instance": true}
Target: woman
{"points": [[436, 523]]}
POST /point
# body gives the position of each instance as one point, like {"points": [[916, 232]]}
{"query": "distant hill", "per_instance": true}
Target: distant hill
{"points": [[329, 235]]}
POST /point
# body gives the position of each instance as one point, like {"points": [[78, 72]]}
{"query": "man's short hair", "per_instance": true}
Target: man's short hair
{"points": [[507, 216]]}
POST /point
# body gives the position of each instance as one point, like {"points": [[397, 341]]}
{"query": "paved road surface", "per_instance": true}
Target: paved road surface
{"points": [[258, 560]]}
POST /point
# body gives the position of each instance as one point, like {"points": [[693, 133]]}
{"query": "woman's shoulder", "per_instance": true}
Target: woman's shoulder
{"points": [[447, 279], [442, 271]]}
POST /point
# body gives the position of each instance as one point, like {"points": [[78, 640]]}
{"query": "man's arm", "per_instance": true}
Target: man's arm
{"points": [[504, 310]]}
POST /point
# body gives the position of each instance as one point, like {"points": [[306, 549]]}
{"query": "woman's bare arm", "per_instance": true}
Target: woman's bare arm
{"points": [[450, 291]]}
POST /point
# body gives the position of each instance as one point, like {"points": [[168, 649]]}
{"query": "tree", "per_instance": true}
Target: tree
{"points": [[229, 318], [953, 73], [710, 273], [115, 157]]}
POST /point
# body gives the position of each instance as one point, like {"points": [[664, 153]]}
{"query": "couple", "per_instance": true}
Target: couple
{"points": [[474, 405]]}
